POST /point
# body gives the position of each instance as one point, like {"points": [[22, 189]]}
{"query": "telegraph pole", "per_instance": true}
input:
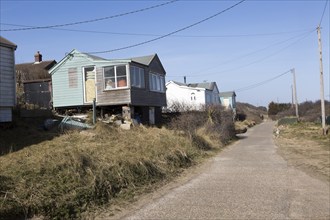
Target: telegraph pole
{"points": [[295, 91], [321, 81]]}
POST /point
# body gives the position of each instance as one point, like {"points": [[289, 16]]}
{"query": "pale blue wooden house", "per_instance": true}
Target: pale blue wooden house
{"points": [[135, 83]]}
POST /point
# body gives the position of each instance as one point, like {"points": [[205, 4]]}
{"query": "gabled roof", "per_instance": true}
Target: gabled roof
{"points": [[145, 60], [227, 94], [34, 71], [6, 43], [148, 60]]}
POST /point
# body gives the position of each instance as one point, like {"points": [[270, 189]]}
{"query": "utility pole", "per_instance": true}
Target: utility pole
{"points": [[295, 91], [321, 81], [292, 102]]}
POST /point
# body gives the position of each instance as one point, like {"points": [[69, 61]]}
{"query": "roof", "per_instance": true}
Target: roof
{"points": [[227, 94], [6, 43], [35, 71], [145, 60], [93, 57], [204, 85]]}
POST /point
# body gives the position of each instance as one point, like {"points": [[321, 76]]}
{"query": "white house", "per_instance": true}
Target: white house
{"points": [[194, 96], [7, 79]]}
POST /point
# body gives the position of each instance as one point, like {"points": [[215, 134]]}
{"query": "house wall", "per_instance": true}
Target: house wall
{"points": [[65, 95], [228, 102], [145, 97], [7, 83], [110, 97], [183, 96], [212, 97]]}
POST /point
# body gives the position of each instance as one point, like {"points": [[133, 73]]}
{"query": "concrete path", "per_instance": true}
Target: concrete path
{"points": [[247, 180]]}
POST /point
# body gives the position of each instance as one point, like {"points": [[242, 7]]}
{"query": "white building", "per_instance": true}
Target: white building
{"points": [[194, 96]]}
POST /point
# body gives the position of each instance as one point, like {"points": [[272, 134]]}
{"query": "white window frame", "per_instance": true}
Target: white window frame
{"points": [[137, 77], [114, 85]]}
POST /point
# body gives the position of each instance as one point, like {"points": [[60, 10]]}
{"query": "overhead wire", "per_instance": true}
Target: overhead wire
{"points": [[157, 35], [261, 83], [253, 62], [325, 6], [171, 33], [91, 20], [249, 54]]}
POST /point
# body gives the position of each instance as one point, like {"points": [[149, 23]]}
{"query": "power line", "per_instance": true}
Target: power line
{"points": [[261, 83], [90, 21], [157, 35], [325, 6], [256, 61], [171, 33], [251, 53]]}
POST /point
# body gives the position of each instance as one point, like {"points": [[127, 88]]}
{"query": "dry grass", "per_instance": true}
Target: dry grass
{"points": [[69, 174], [303, 146]]}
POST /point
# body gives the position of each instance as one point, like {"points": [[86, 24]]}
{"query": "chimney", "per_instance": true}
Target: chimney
{"points": [[37, 57]]}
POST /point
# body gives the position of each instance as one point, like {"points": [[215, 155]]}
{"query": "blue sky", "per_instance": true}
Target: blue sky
{"points": [[248, 44]]}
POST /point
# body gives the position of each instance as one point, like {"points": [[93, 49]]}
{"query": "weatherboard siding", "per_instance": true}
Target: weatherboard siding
{"points": [[64, 94], [110, 97], [7, 83]]}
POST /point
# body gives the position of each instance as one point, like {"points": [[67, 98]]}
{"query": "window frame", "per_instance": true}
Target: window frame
{"points": [[156, 82], [115, 84], [137, 77]]}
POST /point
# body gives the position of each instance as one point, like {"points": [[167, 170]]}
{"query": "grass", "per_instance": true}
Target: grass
{"points": [[303, 145], [64, 176]]}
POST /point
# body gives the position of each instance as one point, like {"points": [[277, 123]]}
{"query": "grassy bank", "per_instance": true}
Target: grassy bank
{"points": [[72, 173], [303, 146]]}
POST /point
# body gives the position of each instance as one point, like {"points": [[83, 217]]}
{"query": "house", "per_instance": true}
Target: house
{"points": [[194, 96], [136, 85], [7, 79], [228, 100], [34, 86]]}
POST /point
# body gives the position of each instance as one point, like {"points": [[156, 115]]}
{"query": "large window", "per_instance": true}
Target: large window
{"points": [[156, 82], [137, 77], [115, 77]]}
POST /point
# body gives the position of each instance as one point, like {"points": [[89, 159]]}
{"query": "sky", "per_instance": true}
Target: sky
{"points": [[249, 47]]}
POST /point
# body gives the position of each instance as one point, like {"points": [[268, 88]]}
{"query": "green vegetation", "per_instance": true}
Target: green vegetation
{"points": [[66, 175]]}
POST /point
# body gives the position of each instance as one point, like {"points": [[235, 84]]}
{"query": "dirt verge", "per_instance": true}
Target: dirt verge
{"points": [[304, 147]]}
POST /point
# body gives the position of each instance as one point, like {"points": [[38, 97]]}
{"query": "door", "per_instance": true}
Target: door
{"points": [[152, 115], [90, 89]]}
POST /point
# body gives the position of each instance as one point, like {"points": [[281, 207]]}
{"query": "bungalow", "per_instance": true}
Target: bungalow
{"points": [[194, 96], [34, 85], [7, 79], [228, 100], [136, 85]]}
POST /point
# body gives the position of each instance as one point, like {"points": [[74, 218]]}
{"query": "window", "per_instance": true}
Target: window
{"points": [[192, 96], [157, 82], [73, 78], [137, 77], [115, 77]]}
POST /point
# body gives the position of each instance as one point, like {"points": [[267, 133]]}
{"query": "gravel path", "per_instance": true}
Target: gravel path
{"points": [[248, 180]]}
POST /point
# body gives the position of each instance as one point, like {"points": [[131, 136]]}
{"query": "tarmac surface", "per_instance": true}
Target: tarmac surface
{"points": [[247, 180]]}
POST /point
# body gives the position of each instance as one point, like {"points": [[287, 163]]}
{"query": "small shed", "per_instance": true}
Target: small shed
{"points": [[34, 85], [7, 79], [228, 100]]}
